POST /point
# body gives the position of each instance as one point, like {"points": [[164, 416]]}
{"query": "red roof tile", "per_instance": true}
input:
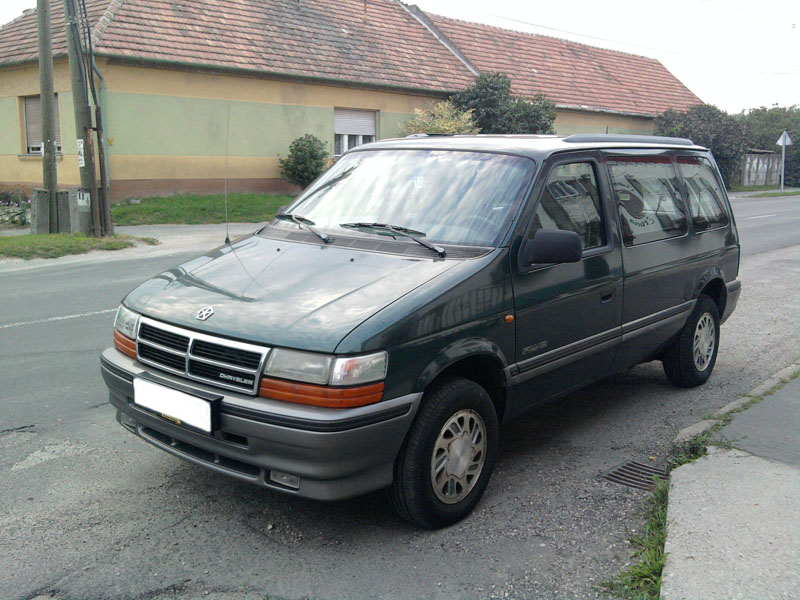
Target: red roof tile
{"points": [[370, 42], [569, 73]]}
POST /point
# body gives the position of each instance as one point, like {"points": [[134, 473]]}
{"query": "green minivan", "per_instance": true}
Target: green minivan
{"points": [[420, 292]]}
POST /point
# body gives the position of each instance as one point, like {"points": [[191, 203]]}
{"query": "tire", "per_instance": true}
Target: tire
{"points": [[447, 459], [690, 360]]}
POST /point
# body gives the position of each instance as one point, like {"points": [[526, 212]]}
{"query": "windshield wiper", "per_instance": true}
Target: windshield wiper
{"points": [[306, 223], [405, 231]]}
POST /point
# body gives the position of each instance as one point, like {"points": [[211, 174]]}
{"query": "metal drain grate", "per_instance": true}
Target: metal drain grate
{"points": [[635, 475]]}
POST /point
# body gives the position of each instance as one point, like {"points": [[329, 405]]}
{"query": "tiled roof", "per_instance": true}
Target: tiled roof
{"points": [[569, 73], [369, 42], [364, 41]]}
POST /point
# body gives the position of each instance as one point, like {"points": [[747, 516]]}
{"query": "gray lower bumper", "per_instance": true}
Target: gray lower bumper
{"points": [[335, 453], [733, 289]]}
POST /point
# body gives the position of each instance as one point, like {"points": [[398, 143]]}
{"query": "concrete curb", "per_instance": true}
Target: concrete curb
{"points": [[766, 388]]}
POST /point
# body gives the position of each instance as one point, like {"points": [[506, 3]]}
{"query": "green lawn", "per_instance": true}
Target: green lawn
{"points": [[53, 245], [773, 194], [754, 188], [195, 209]]}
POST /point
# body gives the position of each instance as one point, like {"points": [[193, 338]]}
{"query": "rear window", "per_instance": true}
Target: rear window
{"points": [[706, 206], [648, 200]]}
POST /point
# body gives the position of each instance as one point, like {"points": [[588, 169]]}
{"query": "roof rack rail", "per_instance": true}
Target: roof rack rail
{"points": [[421, 135], [593, 138]]}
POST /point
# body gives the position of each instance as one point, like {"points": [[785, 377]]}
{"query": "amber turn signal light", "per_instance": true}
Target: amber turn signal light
{"points": [[321, 395], [124, 344]]}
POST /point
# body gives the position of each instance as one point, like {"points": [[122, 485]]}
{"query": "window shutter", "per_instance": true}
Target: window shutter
{"points": [[33, 122], [354, 122]]}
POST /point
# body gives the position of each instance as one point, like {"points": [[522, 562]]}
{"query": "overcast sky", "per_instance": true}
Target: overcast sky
{"points": [[737, 54]]}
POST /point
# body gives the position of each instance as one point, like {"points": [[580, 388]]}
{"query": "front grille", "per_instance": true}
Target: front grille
{"points": [[201, 357], [164, 338], [226, 354]]}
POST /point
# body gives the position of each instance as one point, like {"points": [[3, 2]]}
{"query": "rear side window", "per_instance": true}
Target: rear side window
{"points": [[647, 198], [570, 201], [706, 205]]}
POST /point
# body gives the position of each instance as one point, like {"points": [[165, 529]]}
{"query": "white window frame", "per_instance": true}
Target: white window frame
{"points": [[353, 127], [38, 149]]}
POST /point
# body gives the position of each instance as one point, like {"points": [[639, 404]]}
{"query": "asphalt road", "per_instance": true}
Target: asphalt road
{"points": [[92, 512]]}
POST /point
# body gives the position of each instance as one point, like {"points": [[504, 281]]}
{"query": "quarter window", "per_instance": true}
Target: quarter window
{"points": [[706, 205], [570, 201], [647, 198], [352, 128], [33, 125]]}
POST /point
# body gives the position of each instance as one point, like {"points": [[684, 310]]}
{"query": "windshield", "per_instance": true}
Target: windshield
{"points": [[462, 198]]}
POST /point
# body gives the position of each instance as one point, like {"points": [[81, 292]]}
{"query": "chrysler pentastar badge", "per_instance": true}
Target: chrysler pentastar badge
{"points": [[204, 313]]}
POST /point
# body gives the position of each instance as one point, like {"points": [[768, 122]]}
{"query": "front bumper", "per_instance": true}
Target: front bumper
{"points": [[335, 453], [733, 288]]}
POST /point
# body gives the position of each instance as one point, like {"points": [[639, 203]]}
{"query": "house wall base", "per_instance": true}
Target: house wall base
{"points": [[148, 188]]}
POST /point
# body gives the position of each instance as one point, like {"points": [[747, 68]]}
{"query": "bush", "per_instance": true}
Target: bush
{"points": [[308, 158], [496, 110], [708, 126], [444, 117], [763, 127]]}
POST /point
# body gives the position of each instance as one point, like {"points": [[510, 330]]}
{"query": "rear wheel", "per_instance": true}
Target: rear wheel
{"points": [[690, 360], [445, 463]]}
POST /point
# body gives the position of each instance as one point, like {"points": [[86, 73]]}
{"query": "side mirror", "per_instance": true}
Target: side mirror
{"points": [[552, 246]]}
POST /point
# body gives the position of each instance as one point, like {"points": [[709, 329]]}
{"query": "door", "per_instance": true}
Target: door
{"points": [[568, 316]]}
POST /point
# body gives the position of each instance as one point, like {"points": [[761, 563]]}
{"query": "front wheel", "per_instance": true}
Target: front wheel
{"points": [[690, 360], [444, 466]]}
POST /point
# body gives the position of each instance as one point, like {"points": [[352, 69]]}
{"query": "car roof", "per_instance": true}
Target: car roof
{"points": [[532, 146]]}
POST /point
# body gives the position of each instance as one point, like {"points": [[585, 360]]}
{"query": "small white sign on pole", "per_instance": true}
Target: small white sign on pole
{"points": [[783, 141], [81, 156]]}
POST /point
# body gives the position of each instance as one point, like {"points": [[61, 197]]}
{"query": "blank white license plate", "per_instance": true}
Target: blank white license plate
{"points": [[173, 405]]}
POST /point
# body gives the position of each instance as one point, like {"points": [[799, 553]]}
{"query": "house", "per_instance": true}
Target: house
{"points": [[199, 92]]}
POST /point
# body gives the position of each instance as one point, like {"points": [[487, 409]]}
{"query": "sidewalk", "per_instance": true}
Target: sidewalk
{"points": [[733, 522], [174, 239]]}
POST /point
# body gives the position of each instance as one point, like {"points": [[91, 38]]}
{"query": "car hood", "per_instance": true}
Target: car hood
{"points": [[282, 293]]}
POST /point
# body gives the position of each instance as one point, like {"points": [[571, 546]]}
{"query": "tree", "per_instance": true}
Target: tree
{"points": [[708, 126], [763, 127], [496, 110], [308, 158], [443, 117]]}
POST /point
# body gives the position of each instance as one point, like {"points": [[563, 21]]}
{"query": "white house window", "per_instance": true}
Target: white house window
{"points": [[33, 125], [352, 128]]}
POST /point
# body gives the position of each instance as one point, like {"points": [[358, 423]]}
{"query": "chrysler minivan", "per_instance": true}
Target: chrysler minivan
{"points": [[423, 290]]}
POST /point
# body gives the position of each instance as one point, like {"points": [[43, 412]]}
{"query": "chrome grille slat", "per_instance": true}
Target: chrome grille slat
{"points": [[158, 344]]}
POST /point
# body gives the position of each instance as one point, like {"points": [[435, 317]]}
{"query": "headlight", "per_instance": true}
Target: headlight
{"points": [[125, 322], [323, 369], [299, 366], [359, 369]]}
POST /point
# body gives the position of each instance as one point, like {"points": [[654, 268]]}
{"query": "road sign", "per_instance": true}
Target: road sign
{"points": [[783, 141]]}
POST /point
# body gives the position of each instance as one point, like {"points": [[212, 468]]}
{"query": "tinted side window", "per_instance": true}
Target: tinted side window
{"points": [[570, 201], [647, 198], [706, 205]]}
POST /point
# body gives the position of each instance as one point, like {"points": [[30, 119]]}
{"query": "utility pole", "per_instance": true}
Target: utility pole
{"points": [[83, 113], [47, 97]]}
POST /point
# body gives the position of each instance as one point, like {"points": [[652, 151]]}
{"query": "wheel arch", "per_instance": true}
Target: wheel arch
{"points": [[478, 360], [712, 284]]}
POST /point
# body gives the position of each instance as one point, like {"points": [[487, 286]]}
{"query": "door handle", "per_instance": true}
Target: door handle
{"points": [[607, 298]]}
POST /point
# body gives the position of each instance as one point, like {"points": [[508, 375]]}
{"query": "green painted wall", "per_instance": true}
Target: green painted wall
{"points": [[166, 125], [390, 124], [66, 115], [9, 128]]}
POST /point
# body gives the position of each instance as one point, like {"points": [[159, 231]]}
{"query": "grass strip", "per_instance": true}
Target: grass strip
{"points": [[199, 209], [54, 245], [642, 580], [774, 194], [753, 188]]}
